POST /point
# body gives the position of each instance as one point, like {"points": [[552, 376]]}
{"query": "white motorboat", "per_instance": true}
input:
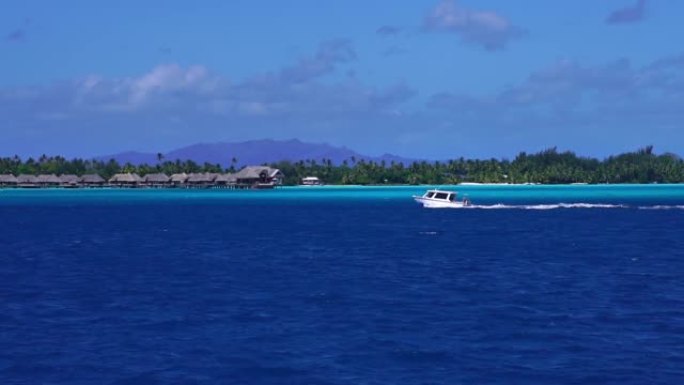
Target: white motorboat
{"points": [[441, 199], [311, 181]]}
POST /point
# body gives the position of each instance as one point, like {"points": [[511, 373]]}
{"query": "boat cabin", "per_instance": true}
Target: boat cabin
{"points": [[441, 195]]}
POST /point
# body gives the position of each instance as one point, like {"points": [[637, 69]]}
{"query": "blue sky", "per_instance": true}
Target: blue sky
{"points": [[430, 79]]}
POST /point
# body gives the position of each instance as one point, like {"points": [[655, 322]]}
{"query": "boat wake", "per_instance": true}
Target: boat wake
{"points": [[555, 206], [552, 206], [662, 207]]}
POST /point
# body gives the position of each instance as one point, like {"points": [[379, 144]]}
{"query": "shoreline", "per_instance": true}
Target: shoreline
{"points": [[333, 186]]}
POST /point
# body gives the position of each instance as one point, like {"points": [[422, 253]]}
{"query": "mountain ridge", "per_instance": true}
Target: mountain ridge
{"points": [[253, 152]]}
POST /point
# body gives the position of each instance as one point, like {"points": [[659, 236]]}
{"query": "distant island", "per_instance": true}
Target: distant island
{"points": [[252, 152], [546, 167]]}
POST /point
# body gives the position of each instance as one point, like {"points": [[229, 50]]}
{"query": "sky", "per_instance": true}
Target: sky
{"points": [[432, 79]]}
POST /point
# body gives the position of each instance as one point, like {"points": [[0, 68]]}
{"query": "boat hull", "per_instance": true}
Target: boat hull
{"points": [[439, 204]]}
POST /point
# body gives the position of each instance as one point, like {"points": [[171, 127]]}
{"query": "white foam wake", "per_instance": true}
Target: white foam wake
{"points": [[662, 207], [552, 206]]}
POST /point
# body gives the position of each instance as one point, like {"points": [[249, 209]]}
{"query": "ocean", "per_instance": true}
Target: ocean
{"points": [[343, 285]]}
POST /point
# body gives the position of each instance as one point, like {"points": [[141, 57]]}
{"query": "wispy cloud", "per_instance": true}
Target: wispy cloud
{"points": [[630, 14], [204, 105], [567, 92], [388, 31], [589, 108], [20, 34], [327, 57], [393, 96], [565, 102], [485, 28], [16, 36], [394, 51]]}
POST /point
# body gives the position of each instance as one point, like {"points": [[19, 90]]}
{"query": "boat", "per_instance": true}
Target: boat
{"points": [[311, 181], [441, 199]]}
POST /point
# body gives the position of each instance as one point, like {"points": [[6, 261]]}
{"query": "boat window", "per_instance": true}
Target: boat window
{"points": [[441, 196], [430, 194]]}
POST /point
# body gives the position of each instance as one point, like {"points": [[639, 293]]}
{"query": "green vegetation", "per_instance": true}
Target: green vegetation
{"points": [[59, 165], [549, 167]]}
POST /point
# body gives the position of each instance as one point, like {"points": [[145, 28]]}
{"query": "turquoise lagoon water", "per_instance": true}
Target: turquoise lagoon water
{"points": [[483, 196]]}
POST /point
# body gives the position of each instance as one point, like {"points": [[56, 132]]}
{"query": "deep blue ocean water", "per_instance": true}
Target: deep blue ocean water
{"points": [[342, 286]]}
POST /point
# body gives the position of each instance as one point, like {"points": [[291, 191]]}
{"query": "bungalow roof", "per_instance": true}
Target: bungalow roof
{"points": [[8, 179], [201, 178], [156, 178], [125, 178], [92, 179], [69, 178], [179, 178], [255, 172], [48, 179], [27, 179], [226, 178]]}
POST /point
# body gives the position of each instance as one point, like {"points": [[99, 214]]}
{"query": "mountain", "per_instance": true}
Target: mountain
{"points": [[254, 152]]}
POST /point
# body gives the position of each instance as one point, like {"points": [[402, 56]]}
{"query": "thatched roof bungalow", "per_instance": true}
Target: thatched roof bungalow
{"points": [[259, 176], [8, 180], [48, 180], [92, 180], [25, 180], [225, 180], [156, 180], [194, 178], [127, 179], [179, 179], [201, 179], [69, 180]]}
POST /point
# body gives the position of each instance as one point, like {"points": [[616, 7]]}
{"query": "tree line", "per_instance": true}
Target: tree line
{"points": [[548, 167]]}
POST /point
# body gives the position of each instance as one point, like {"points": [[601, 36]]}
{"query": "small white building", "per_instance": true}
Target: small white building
{"points": [[311, 181]]}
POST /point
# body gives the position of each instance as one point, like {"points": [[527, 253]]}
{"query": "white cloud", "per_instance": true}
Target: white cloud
{"points": [[116, 110], [486, 28]]}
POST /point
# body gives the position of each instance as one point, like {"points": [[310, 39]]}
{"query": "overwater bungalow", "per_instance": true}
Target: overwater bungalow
{"points": [[225, 180], [27, 181], [201, 180], [156, 180], [178, 179], [259, 177], [125, 180], [51, 180], [248, 177], [69, 180], [8, 180], [92, 180]]}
